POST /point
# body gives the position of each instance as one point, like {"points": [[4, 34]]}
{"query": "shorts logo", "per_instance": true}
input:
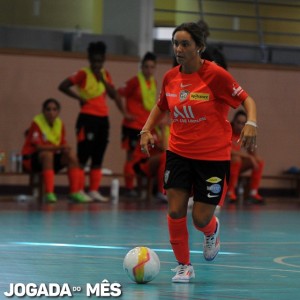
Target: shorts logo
{"points": [[215, 188], [199, 96], [90, 136], [213, 179], [166, 176], [212, 196]]}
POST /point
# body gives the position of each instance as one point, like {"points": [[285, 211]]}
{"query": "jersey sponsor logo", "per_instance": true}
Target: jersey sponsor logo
{"points": [[236, 91], [183, 95], [171, 95], [186, 115], [199, 96], [186, 112], [214, 179], [185, 85]]}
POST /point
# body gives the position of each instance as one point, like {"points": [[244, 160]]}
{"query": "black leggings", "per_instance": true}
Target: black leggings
{"points": [[92, 139]]}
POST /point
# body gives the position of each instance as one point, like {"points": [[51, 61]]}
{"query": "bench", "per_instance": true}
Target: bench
{"points": [[294, 180], [37, 187]]}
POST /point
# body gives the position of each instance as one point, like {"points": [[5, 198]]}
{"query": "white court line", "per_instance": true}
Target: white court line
{"points": [[104, 247], [280, 260], [162, 250]]}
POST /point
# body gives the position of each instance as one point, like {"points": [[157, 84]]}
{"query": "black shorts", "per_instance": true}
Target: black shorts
{"points": [[92, 138], [130, 138], [207, 180], [36, 165]]}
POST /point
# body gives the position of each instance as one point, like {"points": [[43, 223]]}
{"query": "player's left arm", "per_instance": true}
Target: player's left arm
{"points": [[249, 132]]}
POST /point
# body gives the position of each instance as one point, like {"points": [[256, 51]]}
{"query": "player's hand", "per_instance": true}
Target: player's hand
{"points": [[248, 137], [146, 141]]}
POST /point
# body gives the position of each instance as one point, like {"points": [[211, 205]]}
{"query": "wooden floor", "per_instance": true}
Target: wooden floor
{"points": [[85, 244]]}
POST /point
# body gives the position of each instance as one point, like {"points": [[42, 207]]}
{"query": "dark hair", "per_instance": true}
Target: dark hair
{"points": [[239, 113], [204, 28], [48, 101], [149, 56], [96, 48], [194, 30]]}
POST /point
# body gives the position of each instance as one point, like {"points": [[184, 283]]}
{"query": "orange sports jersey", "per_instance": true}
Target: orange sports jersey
{"points": [[96, 106], [199, 104], [36, 137], [134, 103]]}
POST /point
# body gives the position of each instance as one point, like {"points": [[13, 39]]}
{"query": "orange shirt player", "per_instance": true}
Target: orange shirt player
{"points": [[140, 95], [45, 150], [198, 95], [242, 161]]}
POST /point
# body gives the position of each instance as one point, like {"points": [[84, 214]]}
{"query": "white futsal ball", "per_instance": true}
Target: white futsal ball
{"points": [[141, 264]]}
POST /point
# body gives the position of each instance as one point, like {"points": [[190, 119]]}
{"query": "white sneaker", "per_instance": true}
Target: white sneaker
{"points": [[87, 198], [96, 196], [212, 244], [183, 273]]}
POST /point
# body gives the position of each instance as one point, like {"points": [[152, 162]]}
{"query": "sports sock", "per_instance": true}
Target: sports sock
{"points": [[256, 176], [74, 179], [210, 228], [129, 175], [48, 178], [81, 179], [179, 239], [95, 179]]}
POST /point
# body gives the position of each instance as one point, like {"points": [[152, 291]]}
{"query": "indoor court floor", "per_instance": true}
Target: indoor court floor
{"points": [[82, 246]]}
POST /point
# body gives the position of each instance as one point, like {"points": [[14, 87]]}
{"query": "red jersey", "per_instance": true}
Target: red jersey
{"points": [[235, 145], [131, 91], [36, 137], [199, 104], [96, 106]]}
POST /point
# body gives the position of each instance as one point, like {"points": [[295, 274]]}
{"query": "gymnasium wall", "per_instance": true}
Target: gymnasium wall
{"points": [[29, 78]]}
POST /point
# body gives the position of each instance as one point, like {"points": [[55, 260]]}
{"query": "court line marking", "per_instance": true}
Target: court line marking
{"points": [[280, 260], [214, 265], [106, 247]]}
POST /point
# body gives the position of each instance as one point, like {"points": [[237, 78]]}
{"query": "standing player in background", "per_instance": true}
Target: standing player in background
{"points": [[211, 53], [242, 161], [198, 94], [140, 94], [93, 84], [45, 150]]}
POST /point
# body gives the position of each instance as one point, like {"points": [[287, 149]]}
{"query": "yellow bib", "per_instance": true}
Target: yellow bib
{"points": [[148, 94], [93, 88], [51, 133]]}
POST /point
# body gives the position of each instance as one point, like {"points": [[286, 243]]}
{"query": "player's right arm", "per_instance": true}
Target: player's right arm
{"points": [[147, 139]]}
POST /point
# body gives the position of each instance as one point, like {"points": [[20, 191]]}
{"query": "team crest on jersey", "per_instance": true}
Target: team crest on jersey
{"points": [[183, 95], [166, 176]]}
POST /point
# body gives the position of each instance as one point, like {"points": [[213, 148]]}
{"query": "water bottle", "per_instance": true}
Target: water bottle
{"points": [[13, 161], [114, 190], [19, 163]]}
